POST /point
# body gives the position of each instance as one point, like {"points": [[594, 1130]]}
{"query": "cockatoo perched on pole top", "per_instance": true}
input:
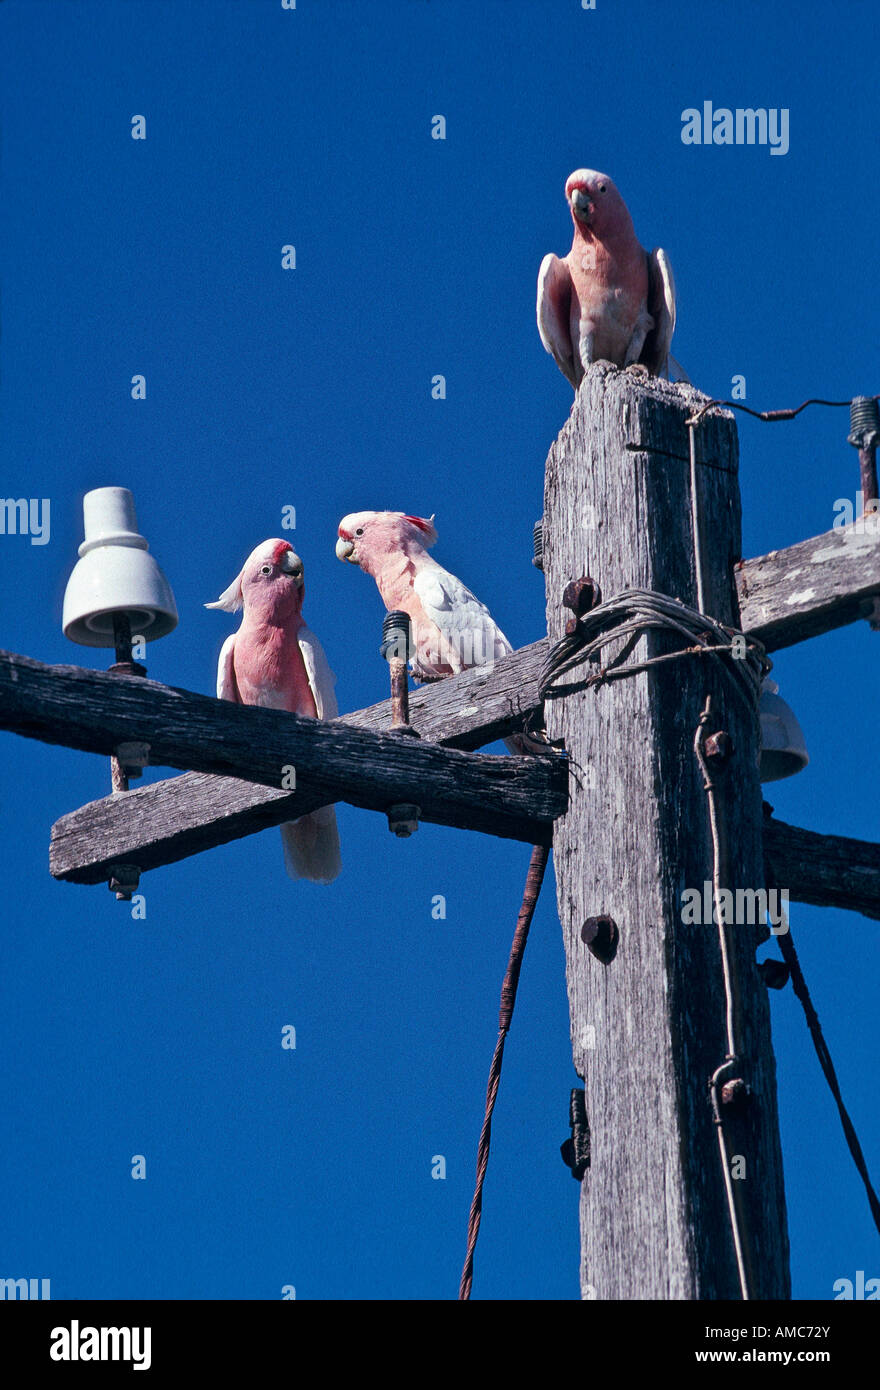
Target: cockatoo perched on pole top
{"points": [[274, 660], [451, 629], [608, 298]]}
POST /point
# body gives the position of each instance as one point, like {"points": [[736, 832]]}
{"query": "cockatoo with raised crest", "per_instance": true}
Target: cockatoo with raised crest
{"points": [[451, 629], [273, 660], [608, 298]]}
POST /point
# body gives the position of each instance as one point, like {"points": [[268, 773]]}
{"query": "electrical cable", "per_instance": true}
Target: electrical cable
{"points": [[534, 879]]}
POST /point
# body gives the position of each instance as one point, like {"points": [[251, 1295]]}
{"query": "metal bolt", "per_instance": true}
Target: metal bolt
{"points": [[133, 757], [864, 423], [774, 973], [580, 596], [397, 648], [124, 880], [403, 820], [718, 748], [601, 937]]}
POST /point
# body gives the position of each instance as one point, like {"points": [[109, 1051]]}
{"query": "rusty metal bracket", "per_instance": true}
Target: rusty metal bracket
{"points": [[576, 1150]]}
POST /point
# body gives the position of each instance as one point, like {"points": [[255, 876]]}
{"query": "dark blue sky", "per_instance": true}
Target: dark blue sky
{"points": [[311, 388]]}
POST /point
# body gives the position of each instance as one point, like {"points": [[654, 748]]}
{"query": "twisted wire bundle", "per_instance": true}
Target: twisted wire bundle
{"points": [[634, 612]]}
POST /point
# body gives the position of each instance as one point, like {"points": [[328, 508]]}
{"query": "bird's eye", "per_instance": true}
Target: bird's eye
{"points": [[602, 188], [266, 569], [359, 531]]}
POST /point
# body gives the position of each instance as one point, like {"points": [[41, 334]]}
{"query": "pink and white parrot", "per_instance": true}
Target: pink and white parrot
{"points": [[608, 298], [274, 660], [451, 629]]}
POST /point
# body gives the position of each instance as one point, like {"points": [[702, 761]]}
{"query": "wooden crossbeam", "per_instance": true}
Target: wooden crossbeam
{"points": [[812, 587], [181, 816], [90, 710], [825, 870]]}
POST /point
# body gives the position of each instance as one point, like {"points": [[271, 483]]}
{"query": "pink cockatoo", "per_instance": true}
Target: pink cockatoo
{"points": [[451, 629], [274, 660], [608, 298]]}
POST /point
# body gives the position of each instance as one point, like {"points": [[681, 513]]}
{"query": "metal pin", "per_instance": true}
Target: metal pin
{"points": [[403, 818], [864, 435], [397, 649], [120, 770]]}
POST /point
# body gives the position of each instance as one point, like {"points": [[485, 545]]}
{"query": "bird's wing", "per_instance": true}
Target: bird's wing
{"points": [[226, 685], [554, 306], [467, 624], [322, 681], [311, 844], [661, 303]]}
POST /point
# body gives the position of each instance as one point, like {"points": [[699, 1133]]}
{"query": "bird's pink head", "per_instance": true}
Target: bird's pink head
{"points": [[271, 583], [369, 539], [596, 207]]}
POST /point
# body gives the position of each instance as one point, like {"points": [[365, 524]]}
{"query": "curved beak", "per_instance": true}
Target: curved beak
{"points": [[345, 551], [581, 204], [291, 564]]}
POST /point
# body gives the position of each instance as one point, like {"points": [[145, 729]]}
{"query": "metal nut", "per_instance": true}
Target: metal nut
{"points": [[736, 1092], [403, 820], [718, 748], [124, 880]]}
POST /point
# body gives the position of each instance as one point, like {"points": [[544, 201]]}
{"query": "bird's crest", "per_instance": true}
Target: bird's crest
{"points": [[425, 525]]}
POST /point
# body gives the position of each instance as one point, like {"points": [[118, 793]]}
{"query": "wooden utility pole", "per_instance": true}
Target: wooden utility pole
{"points": [[648, 1027]]}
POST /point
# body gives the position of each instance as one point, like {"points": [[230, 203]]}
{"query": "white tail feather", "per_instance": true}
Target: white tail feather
{"points": [[311, 846], [231, 599]]}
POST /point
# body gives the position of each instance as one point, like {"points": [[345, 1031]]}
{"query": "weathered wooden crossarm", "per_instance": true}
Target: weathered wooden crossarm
{"points": [[170, 820], [95, 712], [173, 819], [181, 816], [812, 587], [825, 870], [164, 822]]}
